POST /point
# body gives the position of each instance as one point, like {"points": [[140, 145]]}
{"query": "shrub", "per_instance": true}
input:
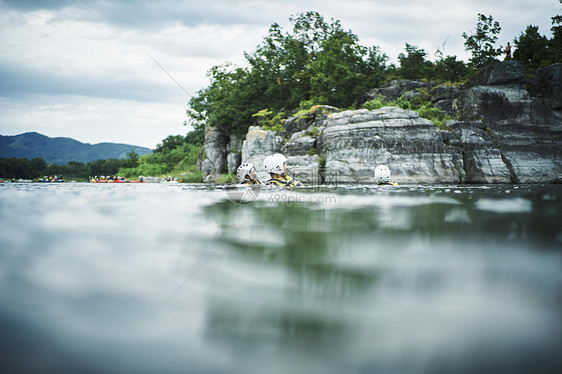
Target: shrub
{"points": [[191, 177], [375, 103], [268, 121], [226, 179], [423, 107]]}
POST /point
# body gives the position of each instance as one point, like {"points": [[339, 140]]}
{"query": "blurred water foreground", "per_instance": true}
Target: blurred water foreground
{"points": [[179, 278]]}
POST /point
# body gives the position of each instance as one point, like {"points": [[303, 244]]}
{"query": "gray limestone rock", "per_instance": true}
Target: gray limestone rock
{"points": [[511, 133], [355, 142], [258, 145], [509, 72], [300, 143], [547, 84], [214, 159]]}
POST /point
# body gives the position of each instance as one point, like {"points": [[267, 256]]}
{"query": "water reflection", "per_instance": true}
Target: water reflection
{"points": [[180, 279], [460, 272]]}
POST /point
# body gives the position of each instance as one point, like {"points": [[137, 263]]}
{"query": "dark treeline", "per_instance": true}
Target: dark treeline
{"points": [[23, 168], [319, 62]]}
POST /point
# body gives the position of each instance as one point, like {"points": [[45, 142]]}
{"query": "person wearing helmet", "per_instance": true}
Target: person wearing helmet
{"points": [[276, 166], [247, 174], [382, 175]]}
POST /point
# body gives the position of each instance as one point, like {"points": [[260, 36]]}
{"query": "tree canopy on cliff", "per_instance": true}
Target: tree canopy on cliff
{"points": [[317, 62], [481, 42], [536, 50]]}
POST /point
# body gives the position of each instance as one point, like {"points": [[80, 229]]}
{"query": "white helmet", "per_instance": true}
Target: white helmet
{"points": [[244, 170], [382, 174], [274, 163]]}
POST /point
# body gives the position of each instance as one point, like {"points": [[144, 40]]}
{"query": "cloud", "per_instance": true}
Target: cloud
{"points": [[72, 55], [143, 14], [94, 119], [30, 5], [20, 83]]}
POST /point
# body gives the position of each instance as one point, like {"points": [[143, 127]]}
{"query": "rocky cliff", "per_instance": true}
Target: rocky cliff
{"points": [[511, 132]]}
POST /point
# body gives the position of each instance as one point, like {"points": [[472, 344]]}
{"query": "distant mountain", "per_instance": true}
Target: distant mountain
{"points": [[62, 150]]}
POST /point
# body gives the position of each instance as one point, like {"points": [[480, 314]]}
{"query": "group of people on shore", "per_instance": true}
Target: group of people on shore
{"points": [[276, 166]]}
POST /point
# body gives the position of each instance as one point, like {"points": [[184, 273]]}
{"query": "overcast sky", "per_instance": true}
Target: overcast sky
{"points": [[82, 68]]}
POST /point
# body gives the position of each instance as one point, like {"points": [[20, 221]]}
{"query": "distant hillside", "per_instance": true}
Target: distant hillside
{"points": [[62, 150]]}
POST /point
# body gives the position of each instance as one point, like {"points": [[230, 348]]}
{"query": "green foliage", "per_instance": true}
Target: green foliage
{"points": [[176, 154], [531, 48], [196, 137], [21, 168], [103, 167], [146, 169], [414, 65], [376, 103], [317, 62], [481, 42], [37, 168], [226, 179], [403, 103], [315, 132], [305, 105], [555, 44], [422, 106], [302, 113], [229, 101], [342, 69], [322, 160], [449, 69], [170, 143], [312, 152], [435, 115], [268, 121], [132, 160], [536, 50], [191, 177]]}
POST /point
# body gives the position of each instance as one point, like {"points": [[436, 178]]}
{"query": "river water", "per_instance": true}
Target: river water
{"points": [[177, 278]]}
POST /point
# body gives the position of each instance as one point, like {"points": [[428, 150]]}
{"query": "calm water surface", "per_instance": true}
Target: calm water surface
{"points": [[176, 278]]}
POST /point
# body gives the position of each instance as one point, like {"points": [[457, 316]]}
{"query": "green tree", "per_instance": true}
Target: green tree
{"points": [[555, 44], [195, 137], [15, 168], [531, 48], [132, 160], [170, 143], [103, 167], [37, 166], [316, 61], [414, 65], [227, 102], [342, 70], [74, 169], [481, 42], [449, 69]]}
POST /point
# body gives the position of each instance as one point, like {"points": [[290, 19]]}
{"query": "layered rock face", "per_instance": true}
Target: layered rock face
{"points": [[355, 142], [512, 133], [523, 119]]}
